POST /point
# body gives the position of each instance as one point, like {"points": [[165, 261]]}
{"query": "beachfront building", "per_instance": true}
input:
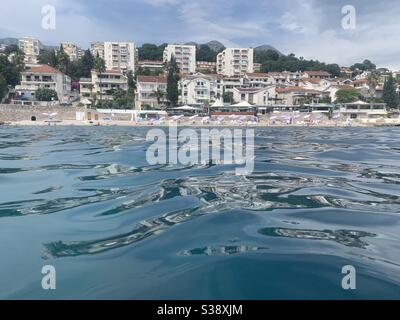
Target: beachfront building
{"points": [[43, 76], [105, 84], [229, 83], [297, 95], [235, 61], [200, 89], [363, 111], [117, 55], [151, 92], [156, 67], [206, 66], [72, 50], [254, 96], [31, 48], [185, 56]]}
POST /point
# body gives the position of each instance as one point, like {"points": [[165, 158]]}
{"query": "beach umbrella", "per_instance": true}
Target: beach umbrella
{"points": [[221, 118], [307, 116], [50, 114], [336, 116], [273, 118], [193, 117], [177, 117]]}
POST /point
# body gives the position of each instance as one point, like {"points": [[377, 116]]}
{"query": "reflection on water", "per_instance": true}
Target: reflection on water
{"points": [[221, 250], [87, 192], [349, 238]]}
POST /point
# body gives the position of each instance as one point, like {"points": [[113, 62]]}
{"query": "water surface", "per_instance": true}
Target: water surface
{"points": [[85, 200]]}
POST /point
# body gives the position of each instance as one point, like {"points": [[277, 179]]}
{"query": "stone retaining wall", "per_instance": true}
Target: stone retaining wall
{"points": [[9, 112]]}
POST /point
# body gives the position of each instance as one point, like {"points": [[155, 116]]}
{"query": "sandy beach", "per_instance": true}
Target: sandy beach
{"points": [[212, 123]]}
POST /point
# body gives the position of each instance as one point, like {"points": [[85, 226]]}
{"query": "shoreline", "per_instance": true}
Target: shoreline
{"points": [[125, 123]]}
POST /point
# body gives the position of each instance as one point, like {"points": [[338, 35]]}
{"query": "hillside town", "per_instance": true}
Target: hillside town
{"points": [[154, 82]]}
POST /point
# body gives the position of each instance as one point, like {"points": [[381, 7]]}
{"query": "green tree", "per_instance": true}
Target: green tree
{"points": [[204, 53], [227, 97], [100, 66], [372, 81], [3, 87], [159, 95], [49, 57], [10, 72], [63, 61], [86, 64], [390, 95], [149, 51], [45, 94], [172, 82], [131, 89], [347, 95]]}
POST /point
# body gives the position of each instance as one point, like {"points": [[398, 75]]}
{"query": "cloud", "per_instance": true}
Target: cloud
{"points": [[309, 28]]}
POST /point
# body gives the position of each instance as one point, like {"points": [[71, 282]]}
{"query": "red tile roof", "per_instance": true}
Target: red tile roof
{"points": [[289, 89], [258, 75], [317, 73], [160, 79], [41, 68]]}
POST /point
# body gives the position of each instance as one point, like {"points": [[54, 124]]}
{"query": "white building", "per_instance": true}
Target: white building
{"points": [[185, 56], [117, 55], [254, 96], [31, 48], [72, 50], [365, 112], [199, 89], [152, 66], [147, 89], [43, 76], [235, 61], [103, 85]]}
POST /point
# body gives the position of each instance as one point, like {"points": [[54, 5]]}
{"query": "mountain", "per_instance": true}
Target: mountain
{"points": [[8, 41], [266, 47], [215, 46], [192, 43]]}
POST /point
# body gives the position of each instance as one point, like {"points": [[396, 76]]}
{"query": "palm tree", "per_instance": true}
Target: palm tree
{"points": [[372, 81], [159, 95], [91, 86], [100, 68]]}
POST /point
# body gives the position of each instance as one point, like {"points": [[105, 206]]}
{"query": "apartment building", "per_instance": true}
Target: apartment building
{"points": [[185, 56], [150, 91], [206, 66], [117, 55], [297, 95], [198, 89], [152, 66], [72, 50], [257, 67], [43, 76], [31, 48], [103, 84], [235, 61]]}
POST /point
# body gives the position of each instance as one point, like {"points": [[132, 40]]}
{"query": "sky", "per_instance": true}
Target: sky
{"points": [[307, 28]]}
